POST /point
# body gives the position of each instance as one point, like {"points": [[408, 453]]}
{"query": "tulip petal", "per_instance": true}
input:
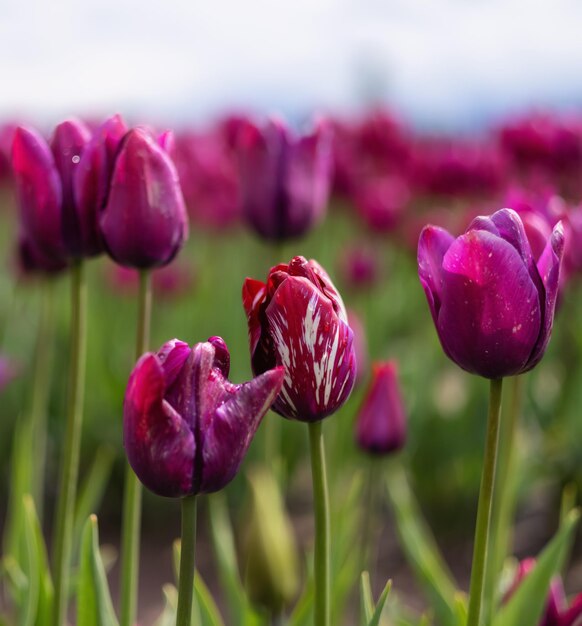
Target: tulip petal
{"points": [[314, 346], [227, 437], [549, 271], [91, 180], [172, 356], [490, 313], [159, 444], [432, 246], [254, 293]]}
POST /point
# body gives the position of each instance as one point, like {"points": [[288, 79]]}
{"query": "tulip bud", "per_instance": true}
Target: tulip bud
{"points": [[271, 564], [144, 222], [381, 424], [297, 319], [285, 180], [186, 427], [492, 305]]}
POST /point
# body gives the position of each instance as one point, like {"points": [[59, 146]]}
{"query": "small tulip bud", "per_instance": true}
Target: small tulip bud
{"points": [[381, 424]]}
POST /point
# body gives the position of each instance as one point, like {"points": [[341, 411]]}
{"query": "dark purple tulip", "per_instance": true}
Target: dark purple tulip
{"points": [[285, 180], [298, 320], [381, 202], [186, 427], [381, 423], [92, 179], [40, 195], [144, 222], [359, 267], [68, 143], [492, 305]]}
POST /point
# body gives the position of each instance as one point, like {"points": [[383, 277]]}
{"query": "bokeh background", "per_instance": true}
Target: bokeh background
{"points": [[453, 70]]}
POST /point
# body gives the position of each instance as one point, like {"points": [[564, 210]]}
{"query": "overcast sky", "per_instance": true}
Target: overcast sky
{"points": [[445, 63]]}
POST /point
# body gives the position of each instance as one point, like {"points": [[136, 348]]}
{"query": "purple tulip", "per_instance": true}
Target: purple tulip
{"points": [[381, 423], [298, 320], [144, 222], [492, 305], [285, 180], [40, 196], [92, 180], [186, 427]]}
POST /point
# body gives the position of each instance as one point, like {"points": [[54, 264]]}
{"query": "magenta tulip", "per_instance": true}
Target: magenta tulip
{"points": [[492, 305]]}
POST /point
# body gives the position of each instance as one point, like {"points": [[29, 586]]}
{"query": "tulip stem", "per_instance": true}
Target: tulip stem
{"points": [[69, 472], [505, 491], [40, 392], [130, 538], [187, 562], [477, 602], [322, 526]]}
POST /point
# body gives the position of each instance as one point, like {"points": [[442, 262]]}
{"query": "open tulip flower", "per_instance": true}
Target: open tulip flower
{"points": [[186, 427], [492, 304], [297, 319]]}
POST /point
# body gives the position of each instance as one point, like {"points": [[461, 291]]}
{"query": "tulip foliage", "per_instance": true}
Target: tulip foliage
{"points": [[161, 233]]}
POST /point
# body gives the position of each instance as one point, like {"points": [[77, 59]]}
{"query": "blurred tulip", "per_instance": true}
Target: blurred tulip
{"points": [[208, 170], [170, 281], [92, 180], [298, 320], [381, 423], [269, 550], [186, 427], [492, 306], [284, 179], [557, 611], [359, 267], [381, 202], [360, 345], [144, 222]]}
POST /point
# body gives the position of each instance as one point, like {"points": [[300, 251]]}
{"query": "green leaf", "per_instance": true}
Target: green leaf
{"points": [[241, 612], [93, 487], [366, 601], [168, 615], [375, 621], [29, 606], [45, 593], [94, 606], [209, 613], [527, 604], [421, 549]]}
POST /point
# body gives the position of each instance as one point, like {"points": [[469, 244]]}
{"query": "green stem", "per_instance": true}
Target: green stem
{"points": [[477, 606], [68, 481], [505, 491], [133, 491], [40, 393], [187, 562], [322, 526]]}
